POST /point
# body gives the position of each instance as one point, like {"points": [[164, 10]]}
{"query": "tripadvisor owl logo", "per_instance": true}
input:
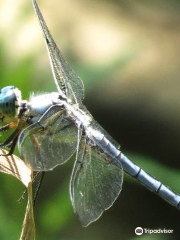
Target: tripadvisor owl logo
{"points": [[138, 231]]}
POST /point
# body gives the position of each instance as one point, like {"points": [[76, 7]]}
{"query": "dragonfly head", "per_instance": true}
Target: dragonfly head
{"points": [[10, 102]]}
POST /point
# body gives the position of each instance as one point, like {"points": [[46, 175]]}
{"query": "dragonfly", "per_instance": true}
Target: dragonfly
{"points": [[50, 128]]}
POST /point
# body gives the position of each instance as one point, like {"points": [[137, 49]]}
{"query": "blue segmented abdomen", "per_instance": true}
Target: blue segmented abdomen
{"points": [[133, 170]]}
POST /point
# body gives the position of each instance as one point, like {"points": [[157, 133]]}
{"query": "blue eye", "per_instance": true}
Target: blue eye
{"points": [[10, 98]]}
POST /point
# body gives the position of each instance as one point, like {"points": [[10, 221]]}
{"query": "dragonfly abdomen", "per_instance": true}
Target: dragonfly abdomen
{"points": [[136, 172], [152, 183]]}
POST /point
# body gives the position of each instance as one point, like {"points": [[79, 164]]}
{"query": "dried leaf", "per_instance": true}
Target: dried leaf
{"points": [[28, 229], [16, 167]]}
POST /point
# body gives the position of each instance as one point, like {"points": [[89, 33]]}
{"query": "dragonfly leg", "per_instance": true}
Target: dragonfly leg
{"points": [[11, 142], [12, 146], [11, 137], [22, 196], [8, 126]]}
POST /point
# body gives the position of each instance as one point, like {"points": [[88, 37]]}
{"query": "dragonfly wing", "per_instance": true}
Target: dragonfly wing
{"points": [[67, 81], [53, 145], [95, 183], [95, 125]]}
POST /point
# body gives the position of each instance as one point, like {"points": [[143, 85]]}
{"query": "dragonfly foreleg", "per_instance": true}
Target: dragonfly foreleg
{"points": [[12, 146], [11, 142], [8, 127], [10, 139]]}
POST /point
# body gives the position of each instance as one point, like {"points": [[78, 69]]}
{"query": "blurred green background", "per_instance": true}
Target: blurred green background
{"points": [[127, 53]]}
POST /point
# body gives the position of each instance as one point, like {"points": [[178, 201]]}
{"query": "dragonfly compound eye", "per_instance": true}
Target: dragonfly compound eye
{"points": [[10, 101]]}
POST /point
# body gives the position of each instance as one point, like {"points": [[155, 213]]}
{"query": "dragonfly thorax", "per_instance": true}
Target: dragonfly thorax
{"points": [[10, 103], [39, 104]]}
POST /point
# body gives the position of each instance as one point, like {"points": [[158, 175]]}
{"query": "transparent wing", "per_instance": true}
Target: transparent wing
{"points": [[95, 183], [52, 145], [67, 81], [95, 125]]}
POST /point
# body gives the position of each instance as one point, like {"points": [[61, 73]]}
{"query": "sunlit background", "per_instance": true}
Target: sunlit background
{"points": [[128, 55]]}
